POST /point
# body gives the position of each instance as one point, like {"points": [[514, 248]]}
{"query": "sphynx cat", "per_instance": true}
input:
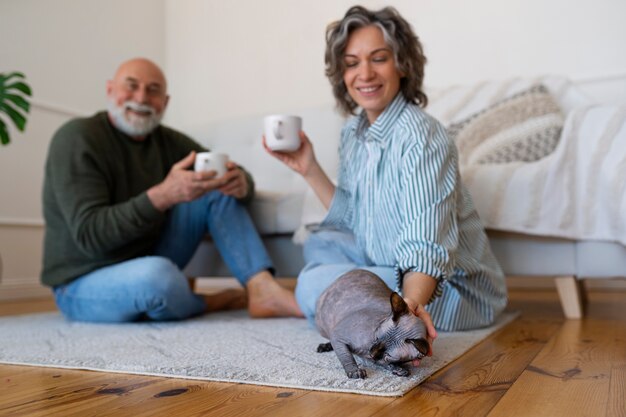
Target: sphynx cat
{"points": [[360, 315]]}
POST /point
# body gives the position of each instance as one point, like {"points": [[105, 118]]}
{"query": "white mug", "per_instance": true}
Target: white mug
{"points": [[211, 161], [282, 132]]}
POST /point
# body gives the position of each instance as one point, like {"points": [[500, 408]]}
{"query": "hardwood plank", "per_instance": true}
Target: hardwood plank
{"points": [[230, 400], [50, 390], [617, 403], [143, 396], [37, 391], [325, 404], [25, 384], [569, 377], [617, 390], [475, 382]]}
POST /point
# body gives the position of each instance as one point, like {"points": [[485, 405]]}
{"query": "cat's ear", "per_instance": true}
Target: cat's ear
{"points": [[377, 350], [420, 344], [398, 306]]}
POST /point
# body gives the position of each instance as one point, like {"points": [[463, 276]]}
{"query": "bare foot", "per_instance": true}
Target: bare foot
{"points": [[266, 298], [230, 299]]}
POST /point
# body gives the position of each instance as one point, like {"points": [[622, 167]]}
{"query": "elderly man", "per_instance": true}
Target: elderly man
{"points": [[124, 214]]}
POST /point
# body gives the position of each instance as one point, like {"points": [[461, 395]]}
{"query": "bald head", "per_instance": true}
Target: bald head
{"points": [[137, 97], [141, 69]]}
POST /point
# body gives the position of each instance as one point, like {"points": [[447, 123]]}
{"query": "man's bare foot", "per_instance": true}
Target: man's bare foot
{"points": [[230, 299], [266, 298]]}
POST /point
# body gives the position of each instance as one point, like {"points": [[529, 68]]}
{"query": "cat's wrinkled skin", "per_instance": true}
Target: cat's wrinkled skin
{"points": [[360, 315]]}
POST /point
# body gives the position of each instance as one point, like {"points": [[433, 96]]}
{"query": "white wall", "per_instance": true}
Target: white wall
{"points": [[67, 49], [239, 57]]}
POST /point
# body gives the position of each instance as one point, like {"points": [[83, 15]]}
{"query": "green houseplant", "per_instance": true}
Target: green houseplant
{"points": [[13, 103]]}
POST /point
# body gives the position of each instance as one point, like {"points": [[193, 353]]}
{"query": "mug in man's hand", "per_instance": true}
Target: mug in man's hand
{"points": [[211, 161], [282, 132]]}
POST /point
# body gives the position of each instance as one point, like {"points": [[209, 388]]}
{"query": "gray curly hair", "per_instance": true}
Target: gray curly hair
{"points": [[399, 36]]}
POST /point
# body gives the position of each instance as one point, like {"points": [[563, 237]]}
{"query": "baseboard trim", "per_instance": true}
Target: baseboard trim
{"points": [[18, 291], [542, 283], [21, 222], [23, 290]]}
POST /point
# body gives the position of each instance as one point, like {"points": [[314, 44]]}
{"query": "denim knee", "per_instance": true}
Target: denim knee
{"points": [[159, 276], [220, 199], [316, 246], [307, 289], [333, 247]]}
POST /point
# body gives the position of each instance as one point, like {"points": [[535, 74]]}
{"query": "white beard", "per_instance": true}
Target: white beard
{"points": [[131, 124]]}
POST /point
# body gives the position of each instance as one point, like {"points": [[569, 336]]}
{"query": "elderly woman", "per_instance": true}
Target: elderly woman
{"points": [[399, 209]]}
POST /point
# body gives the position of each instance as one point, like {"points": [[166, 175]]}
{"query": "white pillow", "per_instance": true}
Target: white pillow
{"points": [[524, 127]]}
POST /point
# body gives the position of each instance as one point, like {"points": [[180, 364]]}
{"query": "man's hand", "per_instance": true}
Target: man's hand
{"points": [[182, 185], [235, 181]]}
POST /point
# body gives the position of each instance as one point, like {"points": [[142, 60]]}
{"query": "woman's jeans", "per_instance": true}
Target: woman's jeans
{"points": [[154, 286], [328, 255]]}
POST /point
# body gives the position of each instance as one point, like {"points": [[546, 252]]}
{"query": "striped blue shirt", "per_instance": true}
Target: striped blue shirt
{"points": [[400, 193]]}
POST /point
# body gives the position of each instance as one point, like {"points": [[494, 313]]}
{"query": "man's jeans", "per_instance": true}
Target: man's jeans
{"points": [[154, 286]]}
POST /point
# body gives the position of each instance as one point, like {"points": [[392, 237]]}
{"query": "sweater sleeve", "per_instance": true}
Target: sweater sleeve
{"points": [[251, 188]]}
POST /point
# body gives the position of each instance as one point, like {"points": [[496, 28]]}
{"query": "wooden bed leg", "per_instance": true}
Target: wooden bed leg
{"points": [[571, 294]]}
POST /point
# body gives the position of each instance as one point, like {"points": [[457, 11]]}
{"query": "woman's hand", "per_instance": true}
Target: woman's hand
{"points": [[302, 160], [420, 311], [418, 289]]}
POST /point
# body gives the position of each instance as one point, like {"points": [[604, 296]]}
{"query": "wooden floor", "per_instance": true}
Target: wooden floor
{"points": [[539, 365]]}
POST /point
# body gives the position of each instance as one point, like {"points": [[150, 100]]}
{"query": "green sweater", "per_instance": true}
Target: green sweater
{"points": [[95, 205]]}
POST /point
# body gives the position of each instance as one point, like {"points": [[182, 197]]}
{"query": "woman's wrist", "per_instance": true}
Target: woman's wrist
{"points": [[418, 288], [321, 184], [314, 171]]}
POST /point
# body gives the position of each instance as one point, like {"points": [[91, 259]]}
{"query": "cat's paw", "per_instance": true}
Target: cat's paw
{"points": [[357, 374], [324, 347], [400, 371]]}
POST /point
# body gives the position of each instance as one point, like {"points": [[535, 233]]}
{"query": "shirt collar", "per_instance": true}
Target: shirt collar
{"points": [[380, 131]]}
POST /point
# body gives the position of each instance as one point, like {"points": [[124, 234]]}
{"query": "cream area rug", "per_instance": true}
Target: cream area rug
{"points": [[227, 347]]}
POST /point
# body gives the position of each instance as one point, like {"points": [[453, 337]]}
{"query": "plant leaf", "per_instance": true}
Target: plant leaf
{"points": [[6, 77], [23, 87], [13, 102], [18, 119], [4, 135], [19, 101]]}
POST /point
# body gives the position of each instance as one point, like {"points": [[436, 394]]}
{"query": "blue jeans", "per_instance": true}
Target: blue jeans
{"points": [[154, 286], [328, 255]]}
